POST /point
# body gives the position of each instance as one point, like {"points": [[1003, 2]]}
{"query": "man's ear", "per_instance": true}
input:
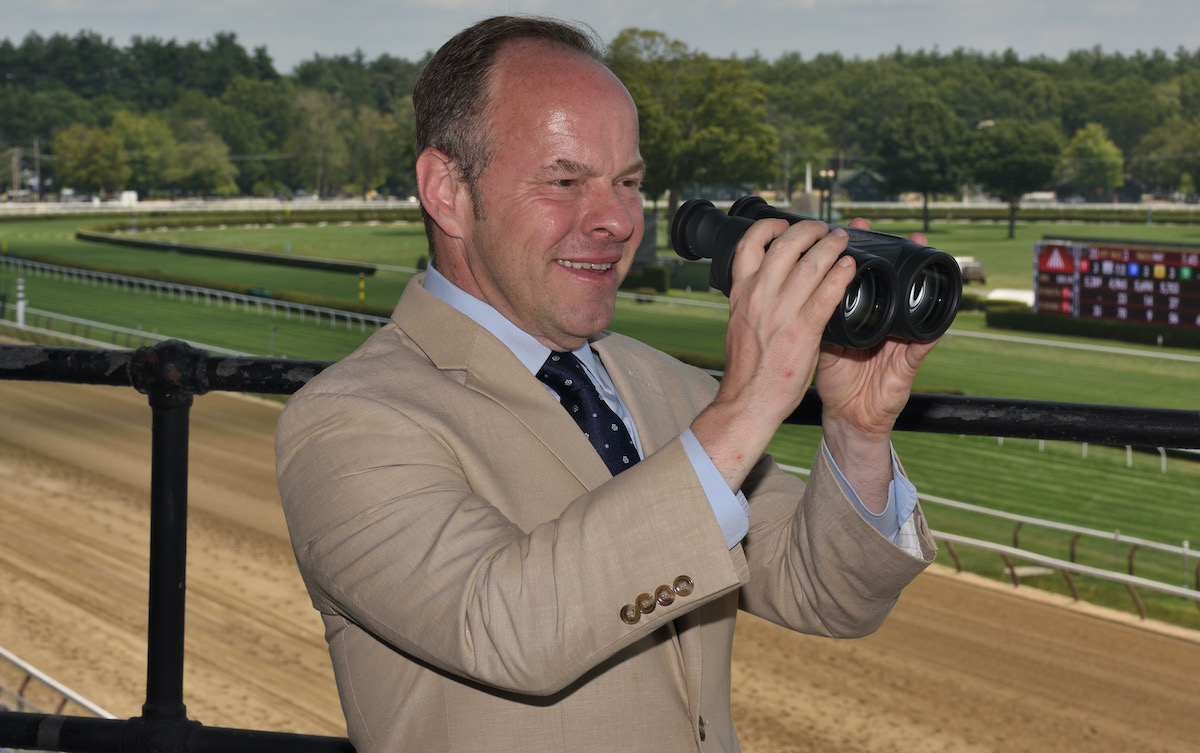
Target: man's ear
{"points": [[442, 194]]}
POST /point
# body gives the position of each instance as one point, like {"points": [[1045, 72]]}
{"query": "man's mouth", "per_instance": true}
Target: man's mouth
{"points": [[584, 265]]}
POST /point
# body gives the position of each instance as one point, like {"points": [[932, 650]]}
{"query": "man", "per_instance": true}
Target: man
{"points": [[486, 581]]}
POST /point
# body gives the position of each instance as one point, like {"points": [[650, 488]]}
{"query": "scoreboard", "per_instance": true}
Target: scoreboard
{"points": [[1118, 280]]}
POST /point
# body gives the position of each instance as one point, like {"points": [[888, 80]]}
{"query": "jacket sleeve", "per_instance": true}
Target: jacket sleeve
{"points": [[815, 564]]}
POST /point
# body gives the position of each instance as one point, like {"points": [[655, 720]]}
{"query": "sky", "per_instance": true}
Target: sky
{"points": [[298, 30]]}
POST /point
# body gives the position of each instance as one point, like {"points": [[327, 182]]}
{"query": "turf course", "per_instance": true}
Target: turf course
{"points": [[1047, 480]]}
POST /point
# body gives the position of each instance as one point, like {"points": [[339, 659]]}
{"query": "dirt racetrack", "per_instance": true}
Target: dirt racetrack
{"points": [[962, 665]]}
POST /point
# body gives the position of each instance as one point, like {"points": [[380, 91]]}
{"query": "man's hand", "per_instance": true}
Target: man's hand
{"points": [[779, 304], [862, 392]]}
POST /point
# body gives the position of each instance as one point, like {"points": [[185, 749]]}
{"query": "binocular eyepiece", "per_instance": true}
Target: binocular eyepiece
{"points": [[900, 287]]}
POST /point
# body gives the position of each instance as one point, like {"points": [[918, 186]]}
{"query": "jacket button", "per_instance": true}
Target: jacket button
{"points": [[664, 596], [630, 614], [645, 603], [684, 586]]}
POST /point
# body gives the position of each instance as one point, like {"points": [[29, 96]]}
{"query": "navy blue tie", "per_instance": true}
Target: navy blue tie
{"points": [[564, 373]]}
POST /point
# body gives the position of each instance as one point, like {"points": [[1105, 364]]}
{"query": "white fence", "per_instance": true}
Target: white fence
{"points": [[1009, 554], [30, 685], [210, 296]]}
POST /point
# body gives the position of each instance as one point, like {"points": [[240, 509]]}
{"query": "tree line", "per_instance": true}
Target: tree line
{"points": [[169, 118]]}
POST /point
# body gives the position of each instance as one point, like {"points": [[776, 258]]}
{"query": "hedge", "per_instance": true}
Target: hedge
{"points": [[1019, 317], [656, 276], [1120, 213], [222, 252]]}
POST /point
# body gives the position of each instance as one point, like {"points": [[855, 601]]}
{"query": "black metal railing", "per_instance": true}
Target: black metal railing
{"points": [[172, 373]]}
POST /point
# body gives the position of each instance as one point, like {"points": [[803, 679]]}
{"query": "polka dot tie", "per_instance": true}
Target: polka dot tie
{"points": [[564, 373]]}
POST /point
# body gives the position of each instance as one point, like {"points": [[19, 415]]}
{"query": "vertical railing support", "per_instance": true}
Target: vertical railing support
{"points": [[171, 374]]}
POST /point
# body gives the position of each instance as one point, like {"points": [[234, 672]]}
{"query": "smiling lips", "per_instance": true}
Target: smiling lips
{"points": [[584, 265]]}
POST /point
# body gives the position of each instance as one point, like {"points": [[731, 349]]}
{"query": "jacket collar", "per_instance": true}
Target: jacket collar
{"points": [[471, 355], [467, 352]]}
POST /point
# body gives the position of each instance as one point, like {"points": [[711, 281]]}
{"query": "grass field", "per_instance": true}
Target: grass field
{"points": [[1008, 262], [1047, 480]]}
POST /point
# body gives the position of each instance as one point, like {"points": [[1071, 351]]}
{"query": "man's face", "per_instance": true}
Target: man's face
{"points": [[560, 212]]}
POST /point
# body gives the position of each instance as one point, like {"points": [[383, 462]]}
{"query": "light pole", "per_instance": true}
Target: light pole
{"points": [[827, 175]]}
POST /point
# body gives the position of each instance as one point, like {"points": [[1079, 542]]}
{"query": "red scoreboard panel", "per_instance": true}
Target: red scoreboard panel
{"points": [[1123, 282]]}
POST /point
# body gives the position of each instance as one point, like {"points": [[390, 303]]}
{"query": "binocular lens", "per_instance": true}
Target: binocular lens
{"points": [[932, 301], [862, 307]]}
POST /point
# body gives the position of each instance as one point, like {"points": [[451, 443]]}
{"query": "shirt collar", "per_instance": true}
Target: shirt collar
{"points": [[524, 346]]}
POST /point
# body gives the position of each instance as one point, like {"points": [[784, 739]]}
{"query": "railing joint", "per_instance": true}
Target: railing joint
{"points": [[170, 372]]}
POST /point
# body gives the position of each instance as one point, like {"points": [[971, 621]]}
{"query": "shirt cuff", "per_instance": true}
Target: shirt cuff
{"points": [[901, 501], [731, 509]]}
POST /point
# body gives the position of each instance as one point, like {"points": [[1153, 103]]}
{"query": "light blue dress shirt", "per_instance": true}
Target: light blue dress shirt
{"points": [[731, 509]]}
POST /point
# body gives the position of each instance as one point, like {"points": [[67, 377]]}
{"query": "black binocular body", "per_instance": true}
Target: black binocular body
{"points": [[900, 289]]}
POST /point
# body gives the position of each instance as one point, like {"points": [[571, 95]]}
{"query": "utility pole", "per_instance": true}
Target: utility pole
{"points": [[16, 172], [37, 168]]}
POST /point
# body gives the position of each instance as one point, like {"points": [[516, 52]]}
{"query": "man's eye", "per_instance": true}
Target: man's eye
{"points": [[565, 182]]}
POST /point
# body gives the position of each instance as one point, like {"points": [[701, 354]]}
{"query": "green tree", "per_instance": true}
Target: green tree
{"points": [[1091, 162], [370, 137], [1010, 158], [867, 95], [149, 146], [319, 143], [154, 65], [16, 102], [923, 149], [347, 75], [199, 163], [1166, 154], [90, 160], [702, 120], [86, 64], [394, 79], [1127, 108], [256, 118], [401, 154], [1188, 87], [222, 59]]}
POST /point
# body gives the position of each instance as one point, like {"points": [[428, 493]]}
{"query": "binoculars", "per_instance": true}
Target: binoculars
{"points": [[900, 288]]}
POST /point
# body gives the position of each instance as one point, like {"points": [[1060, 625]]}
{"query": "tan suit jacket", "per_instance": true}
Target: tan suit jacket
{"points": [[472, 557]]}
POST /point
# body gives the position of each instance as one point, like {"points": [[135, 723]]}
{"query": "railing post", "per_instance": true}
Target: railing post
{"points": [[1012, 570], [1070, 582], [1186, 551], [958, 565], [170, 373]]}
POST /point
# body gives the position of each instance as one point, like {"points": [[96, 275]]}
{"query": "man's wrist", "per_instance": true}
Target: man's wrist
{"points": [[866, 461]]}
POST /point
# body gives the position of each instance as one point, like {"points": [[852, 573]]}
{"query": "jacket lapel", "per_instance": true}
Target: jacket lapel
{"points": [[471, 355], [640, 389]]}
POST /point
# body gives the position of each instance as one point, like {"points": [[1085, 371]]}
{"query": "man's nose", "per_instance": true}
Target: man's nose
{"points": [[610, 213]]}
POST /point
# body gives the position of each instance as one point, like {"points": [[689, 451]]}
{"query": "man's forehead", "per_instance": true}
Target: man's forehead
{"points": [[550, 83], [522, 61]]}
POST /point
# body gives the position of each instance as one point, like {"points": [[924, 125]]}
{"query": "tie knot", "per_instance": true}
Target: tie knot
{"points": [[564, 372]]}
